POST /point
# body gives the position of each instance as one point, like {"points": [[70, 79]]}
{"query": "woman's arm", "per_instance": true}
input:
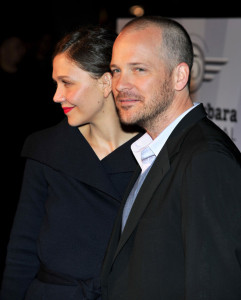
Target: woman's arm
{"points": [[22, 261]]}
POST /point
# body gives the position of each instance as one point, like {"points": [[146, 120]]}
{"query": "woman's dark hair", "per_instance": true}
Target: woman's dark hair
{"points": [[90, 47]]}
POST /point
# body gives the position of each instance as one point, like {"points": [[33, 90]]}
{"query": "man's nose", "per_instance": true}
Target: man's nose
{"points": [[123, 82]]}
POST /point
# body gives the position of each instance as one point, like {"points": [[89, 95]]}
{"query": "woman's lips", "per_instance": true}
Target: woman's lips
{"points": [[67, 109]]}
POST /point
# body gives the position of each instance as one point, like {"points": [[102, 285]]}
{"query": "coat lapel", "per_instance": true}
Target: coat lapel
{"points": [[64, 149]]}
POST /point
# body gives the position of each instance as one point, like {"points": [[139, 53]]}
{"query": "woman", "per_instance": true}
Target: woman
{"points": [[75, 177]]}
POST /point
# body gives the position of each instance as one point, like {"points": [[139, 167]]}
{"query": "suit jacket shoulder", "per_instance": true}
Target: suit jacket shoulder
{"points": [[200, 134]]}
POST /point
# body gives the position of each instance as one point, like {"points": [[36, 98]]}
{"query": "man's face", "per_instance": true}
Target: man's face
{"points": [[142, 84]]}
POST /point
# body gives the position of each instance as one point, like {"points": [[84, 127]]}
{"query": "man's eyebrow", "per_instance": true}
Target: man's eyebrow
{"points": [[113, 66], [129, 64]]}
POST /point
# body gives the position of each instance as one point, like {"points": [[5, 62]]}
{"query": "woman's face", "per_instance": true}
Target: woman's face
{"points": [[80, 95]]}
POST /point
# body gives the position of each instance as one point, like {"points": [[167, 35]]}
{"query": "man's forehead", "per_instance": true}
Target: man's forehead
{"points": [[151, 35], [141, 30], [137, 43]]}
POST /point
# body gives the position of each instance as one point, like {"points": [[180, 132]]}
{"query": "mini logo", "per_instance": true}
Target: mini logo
{"points": [[204, 68]]}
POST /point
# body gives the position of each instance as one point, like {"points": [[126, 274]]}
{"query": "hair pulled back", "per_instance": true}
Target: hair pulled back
{"points": [[90, 47]]}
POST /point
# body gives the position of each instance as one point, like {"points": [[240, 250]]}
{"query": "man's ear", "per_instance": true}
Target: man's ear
{"points": [[106, 83], [181, 74]]}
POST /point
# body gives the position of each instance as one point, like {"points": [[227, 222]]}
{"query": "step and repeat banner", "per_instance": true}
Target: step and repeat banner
{"points": [[216, 74]]}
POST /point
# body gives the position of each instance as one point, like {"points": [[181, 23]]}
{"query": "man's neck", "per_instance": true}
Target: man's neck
{"points": [[161, 122]]}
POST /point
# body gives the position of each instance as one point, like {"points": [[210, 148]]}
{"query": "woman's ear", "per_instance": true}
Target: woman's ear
{"points": [[106, 83], [181, 76]]}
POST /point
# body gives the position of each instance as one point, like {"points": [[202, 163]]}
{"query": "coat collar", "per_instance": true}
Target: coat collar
{"points": [[64, 149], [155, 176]]}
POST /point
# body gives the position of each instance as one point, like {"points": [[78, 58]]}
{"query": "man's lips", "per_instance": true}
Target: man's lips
{"points": [[128, 98], [123, 102], [67, 109]]}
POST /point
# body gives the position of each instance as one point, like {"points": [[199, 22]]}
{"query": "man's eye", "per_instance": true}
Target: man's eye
{"points": [[140, 69], [115, 71]]}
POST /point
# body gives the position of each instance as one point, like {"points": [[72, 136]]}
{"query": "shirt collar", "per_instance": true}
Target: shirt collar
{"points": [[156, 144]]}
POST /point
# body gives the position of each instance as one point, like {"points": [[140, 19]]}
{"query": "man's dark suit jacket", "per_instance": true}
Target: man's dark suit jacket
{"points": [[182, 240]]}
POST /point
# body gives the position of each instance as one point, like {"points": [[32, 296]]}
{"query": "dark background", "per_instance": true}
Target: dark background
{"points": [[38, 16], [31, 108]]}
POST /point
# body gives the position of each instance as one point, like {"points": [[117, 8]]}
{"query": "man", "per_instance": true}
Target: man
{"points": [[178, 233]]}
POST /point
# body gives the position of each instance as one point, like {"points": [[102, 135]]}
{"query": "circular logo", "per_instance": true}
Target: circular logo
{"points": [[197, 69]]}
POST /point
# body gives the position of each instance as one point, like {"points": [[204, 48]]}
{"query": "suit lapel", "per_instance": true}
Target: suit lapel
{"points": [[153, 179], [116, 232]]}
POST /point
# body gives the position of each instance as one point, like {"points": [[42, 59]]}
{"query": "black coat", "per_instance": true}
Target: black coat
{"points": [[67, 207], [182, 240]]}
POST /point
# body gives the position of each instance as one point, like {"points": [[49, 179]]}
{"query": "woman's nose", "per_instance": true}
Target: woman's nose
{"points": [[58, 97]]}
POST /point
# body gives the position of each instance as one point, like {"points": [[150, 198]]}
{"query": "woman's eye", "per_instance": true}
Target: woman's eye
{"points": [[66, 82]]}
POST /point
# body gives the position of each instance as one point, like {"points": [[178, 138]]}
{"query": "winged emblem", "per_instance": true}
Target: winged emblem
{"points": [[204, 68]]}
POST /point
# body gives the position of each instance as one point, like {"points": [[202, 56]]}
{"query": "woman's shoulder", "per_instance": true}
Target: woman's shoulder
{"points": [[42, 141]]}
